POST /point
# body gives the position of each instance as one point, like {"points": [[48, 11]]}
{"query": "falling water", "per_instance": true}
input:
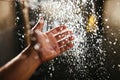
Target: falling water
{"points": [[66, 12], [86, 59]]}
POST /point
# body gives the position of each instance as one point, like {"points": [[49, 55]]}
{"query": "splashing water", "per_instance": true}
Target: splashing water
{"points": [[86, 53], [64, 12]]}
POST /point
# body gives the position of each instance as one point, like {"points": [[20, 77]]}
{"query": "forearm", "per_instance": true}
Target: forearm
{"points": [[21, 67]]}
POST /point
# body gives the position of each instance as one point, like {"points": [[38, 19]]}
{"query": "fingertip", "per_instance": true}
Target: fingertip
{"points": [[39, 25], [60, 28], [72, 38], [41, 19], [64, 26], [71, 45], [40, 22], [62, 49]]}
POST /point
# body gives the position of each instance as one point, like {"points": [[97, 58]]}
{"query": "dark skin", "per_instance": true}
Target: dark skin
{"points": [[43, 47]]}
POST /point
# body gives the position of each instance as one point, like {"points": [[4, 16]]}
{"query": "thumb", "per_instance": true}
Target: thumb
{"points": [[39, 24]]}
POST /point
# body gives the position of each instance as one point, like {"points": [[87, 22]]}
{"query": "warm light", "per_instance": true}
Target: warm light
{"points": [[91, 27]]}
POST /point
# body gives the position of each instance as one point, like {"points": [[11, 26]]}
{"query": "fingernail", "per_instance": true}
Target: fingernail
{"points": [[41, 20]]}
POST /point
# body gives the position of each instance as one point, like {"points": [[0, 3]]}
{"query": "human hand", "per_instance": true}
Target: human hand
{"points": [[50, 44]]}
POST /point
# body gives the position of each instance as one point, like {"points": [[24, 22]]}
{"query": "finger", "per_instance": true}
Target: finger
{"points": [[65, 41], [62, 35], [57, 29], [52, 39], [37, 44], [40, 37], [53, 42], [67, 47], [39, 24]]}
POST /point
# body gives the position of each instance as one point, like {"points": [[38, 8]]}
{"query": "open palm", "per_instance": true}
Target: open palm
{"points": [[50, 44]]}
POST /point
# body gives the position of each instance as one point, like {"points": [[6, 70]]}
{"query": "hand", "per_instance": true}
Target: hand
{"points": [[50, 44]]}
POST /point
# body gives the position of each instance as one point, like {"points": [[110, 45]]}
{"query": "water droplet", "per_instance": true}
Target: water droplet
{"points": [[37, 46], [47, 40], [119, 65], [106, 20], [80, 57], [108, 27]]}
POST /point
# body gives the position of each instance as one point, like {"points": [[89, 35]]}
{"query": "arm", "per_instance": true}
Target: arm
{"points": [[21, 67], [44, 47]]}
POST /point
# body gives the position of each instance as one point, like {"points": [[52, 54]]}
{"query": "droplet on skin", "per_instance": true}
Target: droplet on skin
{"points": [[52, 52], [47, 40], [36, 57], [59, 36], [37, 46], [63, 42], [66, 39]]}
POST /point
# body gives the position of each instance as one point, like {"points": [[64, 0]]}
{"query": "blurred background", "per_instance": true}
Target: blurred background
{"points": [[96, 26]]}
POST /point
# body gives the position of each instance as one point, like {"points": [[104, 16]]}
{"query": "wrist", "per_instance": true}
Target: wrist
{"points": [[32, 54]]}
